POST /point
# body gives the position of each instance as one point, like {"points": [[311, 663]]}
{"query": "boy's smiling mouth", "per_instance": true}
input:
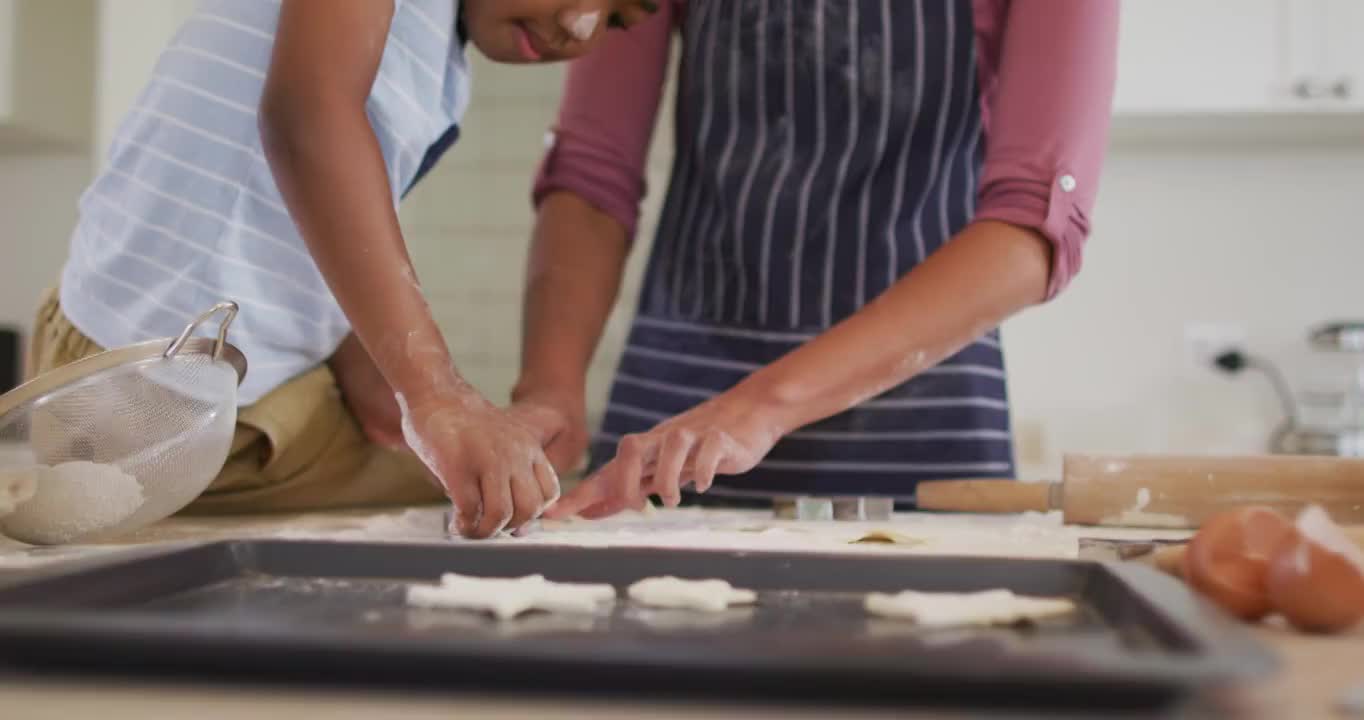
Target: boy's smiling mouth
{"points": [[529, 43]]}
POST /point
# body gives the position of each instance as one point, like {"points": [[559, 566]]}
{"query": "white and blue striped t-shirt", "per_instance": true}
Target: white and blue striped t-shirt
{"points": [[187, 214]]}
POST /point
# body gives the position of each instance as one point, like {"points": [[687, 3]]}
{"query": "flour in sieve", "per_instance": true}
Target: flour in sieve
{"points": [[73, 500], [16, 487]]}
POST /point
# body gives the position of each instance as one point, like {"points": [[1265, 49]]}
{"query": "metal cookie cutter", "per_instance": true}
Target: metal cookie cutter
{"points": [[846, 508], [873, 509]]}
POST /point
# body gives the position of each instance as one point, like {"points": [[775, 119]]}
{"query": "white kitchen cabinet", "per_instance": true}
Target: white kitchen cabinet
{"points": [[1344, 34], [1213, 57], [1196, 56], [46, 74]]}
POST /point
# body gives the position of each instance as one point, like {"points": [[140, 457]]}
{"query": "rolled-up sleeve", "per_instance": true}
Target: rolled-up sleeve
{"points": [[1048, 112], [599, 145]]}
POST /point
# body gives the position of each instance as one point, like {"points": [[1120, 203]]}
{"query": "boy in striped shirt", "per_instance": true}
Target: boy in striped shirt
{"points": [[263, 163]]}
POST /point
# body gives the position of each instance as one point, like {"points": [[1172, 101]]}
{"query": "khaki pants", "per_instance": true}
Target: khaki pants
{"points": [[298, 448]]}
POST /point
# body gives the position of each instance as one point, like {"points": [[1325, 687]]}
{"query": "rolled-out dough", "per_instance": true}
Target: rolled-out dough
{"points": [[677, 593], [991, 607], [507, 598]]}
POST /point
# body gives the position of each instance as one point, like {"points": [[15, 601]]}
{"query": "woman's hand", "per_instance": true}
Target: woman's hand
{"points": [[560, 419], [727, 435], [488, 460]]}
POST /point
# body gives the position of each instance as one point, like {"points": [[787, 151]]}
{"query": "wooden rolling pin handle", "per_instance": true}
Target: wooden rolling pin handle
{"points": [[983, 496], [1183, 491]]}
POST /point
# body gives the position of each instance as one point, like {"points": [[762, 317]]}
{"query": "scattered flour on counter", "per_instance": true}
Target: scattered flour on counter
{"points": [[991, 607], [676, 593], [1040, 535], [415, 524], [24, 557], [73, 500]]}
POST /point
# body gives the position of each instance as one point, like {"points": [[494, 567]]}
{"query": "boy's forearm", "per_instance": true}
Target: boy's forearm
{"points": [[328, 165], [986, 273], [331, 172], [573, 276]]}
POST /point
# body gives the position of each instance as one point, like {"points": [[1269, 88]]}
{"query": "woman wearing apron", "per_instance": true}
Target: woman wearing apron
{"points": [[862, 191]]}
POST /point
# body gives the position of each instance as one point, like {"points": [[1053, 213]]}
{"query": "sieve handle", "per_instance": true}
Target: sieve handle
{"points": [[229, 309]]}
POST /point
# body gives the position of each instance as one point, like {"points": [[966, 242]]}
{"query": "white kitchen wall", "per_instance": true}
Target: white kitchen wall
{"points": [[38, 203], [469, 223], [1265, 236], [39, 189], [1260, 235], [39, 184]]}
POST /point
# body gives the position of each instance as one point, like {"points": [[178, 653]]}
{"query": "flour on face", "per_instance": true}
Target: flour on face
{"points": [[583, 26]]}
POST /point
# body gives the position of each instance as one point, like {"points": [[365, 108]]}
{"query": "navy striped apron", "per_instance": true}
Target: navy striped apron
{"points": [[824, 148]]}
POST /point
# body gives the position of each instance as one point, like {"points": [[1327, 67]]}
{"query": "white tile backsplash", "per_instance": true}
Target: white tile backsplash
{"points": [[38, 196], [468, 226]]}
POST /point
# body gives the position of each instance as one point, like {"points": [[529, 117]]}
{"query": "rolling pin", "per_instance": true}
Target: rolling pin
{"points": [[1164, 491]]}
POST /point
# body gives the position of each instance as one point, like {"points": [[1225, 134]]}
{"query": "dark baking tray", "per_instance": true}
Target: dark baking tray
{"points": [[334, 613]]}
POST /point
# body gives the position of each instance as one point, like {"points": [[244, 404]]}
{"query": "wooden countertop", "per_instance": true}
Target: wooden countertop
{"points": [[1317, 671]]}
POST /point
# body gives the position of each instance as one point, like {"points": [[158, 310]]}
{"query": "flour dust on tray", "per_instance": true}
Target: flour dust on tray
{"points": [[991, 607], [677, 593], [71, 501], [507, 598]]}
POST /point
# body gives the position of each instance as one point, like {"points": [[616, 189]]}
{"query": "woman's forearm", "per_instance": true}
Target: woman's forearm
{"points": [[989, 271], [573, 276]]}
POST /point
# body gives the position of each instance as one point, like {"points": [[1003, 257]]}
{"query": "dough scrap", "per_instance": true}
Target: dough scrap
{"points": [[886, 537], [991, 607], [507, 598], [677, 593]]}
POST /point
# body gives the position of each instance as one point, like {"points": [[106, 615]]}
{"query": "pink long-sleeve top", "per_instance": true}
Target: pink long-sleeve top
{"points": [[1046, 68]]}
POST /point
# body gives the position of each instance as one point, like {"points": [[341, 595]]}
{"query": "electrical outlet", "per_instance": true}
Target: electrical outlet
{"points": [[1204, 341]]}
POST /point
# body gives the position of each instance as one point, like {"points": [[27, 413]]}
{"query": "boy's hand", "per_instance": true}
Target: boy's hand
{"points": [[489, 462], [367, 394], [727, 435], [561, 421]]}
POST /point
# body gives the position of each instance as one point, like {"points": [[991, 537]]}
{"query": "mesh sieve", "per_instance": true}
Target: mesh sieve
{"points": [[121, 439]]}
